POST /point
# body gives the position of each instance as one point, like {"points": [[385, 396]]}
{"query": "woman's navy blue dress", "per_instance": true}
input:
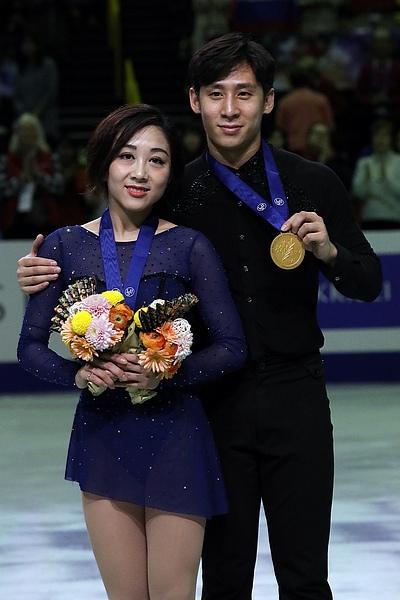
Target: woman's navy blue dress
{"points": [[161, 453]]}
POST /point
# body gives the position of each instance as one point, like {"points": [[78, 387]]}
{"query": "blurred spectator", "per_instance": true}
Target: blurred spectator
{"points": [[86, 14], [360, 6], [193, 140], [31, 183], [258, 17], [75, 205], [182, 14], [277, 138], [320, 148], [49, 21], [396, 141], [8, 71], [210, 20], [378, 84], [376, 182], [13, 18], [338, 58], [319, 16], [303, 106], [36, 85]]}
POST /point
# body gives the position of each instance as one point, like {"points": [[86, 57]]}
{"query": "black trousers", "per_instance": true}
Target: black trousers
{"points": [[273, 430]]}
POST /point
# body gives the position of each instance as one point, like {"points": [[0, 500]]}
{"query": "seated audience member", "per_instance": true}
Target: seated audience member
{"points": [[36, 85], [31, 183], [277, 138], [321, 148], [193, 140], [210, 20], [376, 182], [396, 141], [8, 71], [303, 106], [76, 205], [378, 84], [319, 16]]}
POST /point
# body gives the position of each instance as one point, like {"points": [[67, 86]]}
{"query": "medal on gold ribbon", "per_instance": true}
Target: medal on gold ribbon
{"points": [[287, 250]]}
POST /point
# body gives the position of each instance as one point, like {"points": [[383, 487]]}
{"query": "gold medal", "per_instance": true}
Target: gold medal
{"points": [[287, 251]]}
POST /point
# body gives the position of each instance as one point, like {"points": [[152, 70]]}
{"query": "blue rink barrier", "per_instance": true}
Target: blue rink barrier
{"points": [[362, 339]]}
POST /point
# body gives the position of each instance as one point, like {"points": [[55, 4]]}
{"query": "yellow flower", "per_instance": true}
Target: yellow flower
{"points": [[136, 318], [81, 321], [113, 296]]}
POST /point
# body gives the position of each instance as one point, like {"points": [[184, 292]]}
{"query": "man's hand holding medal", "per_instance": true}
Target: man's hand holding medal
{"points": [[307, 229]]}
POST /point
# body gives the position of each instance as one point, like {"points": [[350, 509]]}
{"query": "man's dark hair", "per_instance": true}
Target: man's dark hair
{"points": [[219, 57]]}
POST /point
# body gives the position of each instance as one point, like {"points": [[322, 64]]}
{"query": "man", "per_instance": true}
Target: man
{"points": [[303, 106], [271, 421]]}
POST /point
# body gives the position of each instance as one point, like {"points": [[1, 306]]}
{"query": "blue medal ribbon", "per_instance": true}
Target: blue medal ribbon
{"points": [[277, 212], [110, 258]]}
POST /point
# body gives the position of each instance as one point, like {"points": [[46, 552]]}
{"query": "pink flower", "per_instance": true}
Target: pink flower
{"points": [[97, 305], [100, 333]]}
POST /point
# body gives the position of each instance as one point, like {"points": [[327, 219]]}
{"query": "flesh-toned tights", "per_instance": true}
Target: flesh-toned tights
{"points": [[143, 553]]}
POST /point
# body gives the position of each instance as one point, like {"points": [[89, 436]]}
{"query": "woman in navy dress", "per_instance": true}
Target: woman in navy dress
{"points": [[149, 473]]}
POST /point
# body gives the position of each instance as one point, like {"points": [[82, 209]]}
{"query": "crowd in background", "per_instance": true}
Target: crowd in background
{"points": [[337, 98]]}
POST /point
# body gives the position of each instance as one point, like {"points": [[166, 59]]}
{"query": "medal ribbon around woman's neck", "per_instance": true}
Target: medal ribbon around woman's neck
{"points": [[109, 255], [287, 250]]}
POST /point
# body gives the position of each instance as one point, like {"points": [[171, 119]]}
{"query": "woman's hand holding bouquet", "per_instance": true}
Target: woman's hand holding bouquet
{"points": [[92, 323]]}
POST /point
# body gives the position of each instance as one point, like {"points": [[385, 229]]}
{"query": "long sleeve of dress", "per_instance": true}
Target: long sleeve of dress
{"points": [[180, 260], [33, 352]]}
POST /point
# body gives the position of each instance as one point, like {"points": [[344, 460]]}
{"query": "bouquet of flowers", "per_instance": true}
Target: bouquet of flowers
{"points": [[90, 323]]}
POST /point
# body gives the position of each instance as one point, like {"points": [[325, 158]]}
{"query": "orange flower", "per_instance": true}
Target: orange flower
{"points": [[80, 348], [66, 332], [157, 361], [170, 347], [167, 331], [171, 371], [152, 340], [120, 315]]}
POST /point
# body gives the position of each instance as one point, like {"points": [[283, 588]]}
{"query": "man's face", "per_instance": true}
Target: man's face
{"points": [[232, 111]]}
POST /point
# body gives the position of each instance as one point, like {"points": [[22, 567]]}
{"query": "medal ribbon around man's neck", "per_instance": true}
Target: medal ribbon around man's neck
{"points": [[287, 250], [129, 288], [275, 213]]}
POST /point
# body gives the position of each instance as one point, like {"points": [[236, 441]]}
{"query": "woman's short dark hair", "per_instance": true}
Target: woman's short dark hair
{"points": [[219, 57], [115, 131]]}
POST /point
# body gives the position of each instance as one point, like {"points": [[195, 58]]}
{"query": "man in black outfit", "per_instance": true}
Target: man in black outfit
{"points": [[277, 220]]}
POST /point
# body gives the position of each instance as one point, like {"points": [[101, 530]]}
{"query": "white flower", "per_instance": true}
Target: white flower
{"points": [[155, 302], [184, 339]]}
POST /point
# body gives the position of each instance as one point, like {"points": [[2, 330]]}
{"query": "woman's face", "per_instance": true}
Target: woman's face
{"points": [[139, 175]]}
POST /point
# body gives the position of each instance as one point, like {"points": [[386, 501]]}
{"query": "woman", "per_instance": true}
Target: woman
{"points": [[375, 183], [148, 472], [31, 182]]}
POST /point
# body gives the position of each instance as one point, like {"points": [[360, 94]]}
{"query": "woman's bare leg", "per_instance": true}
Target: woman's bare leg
{"points": [[118, 537], [174, 545]]}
